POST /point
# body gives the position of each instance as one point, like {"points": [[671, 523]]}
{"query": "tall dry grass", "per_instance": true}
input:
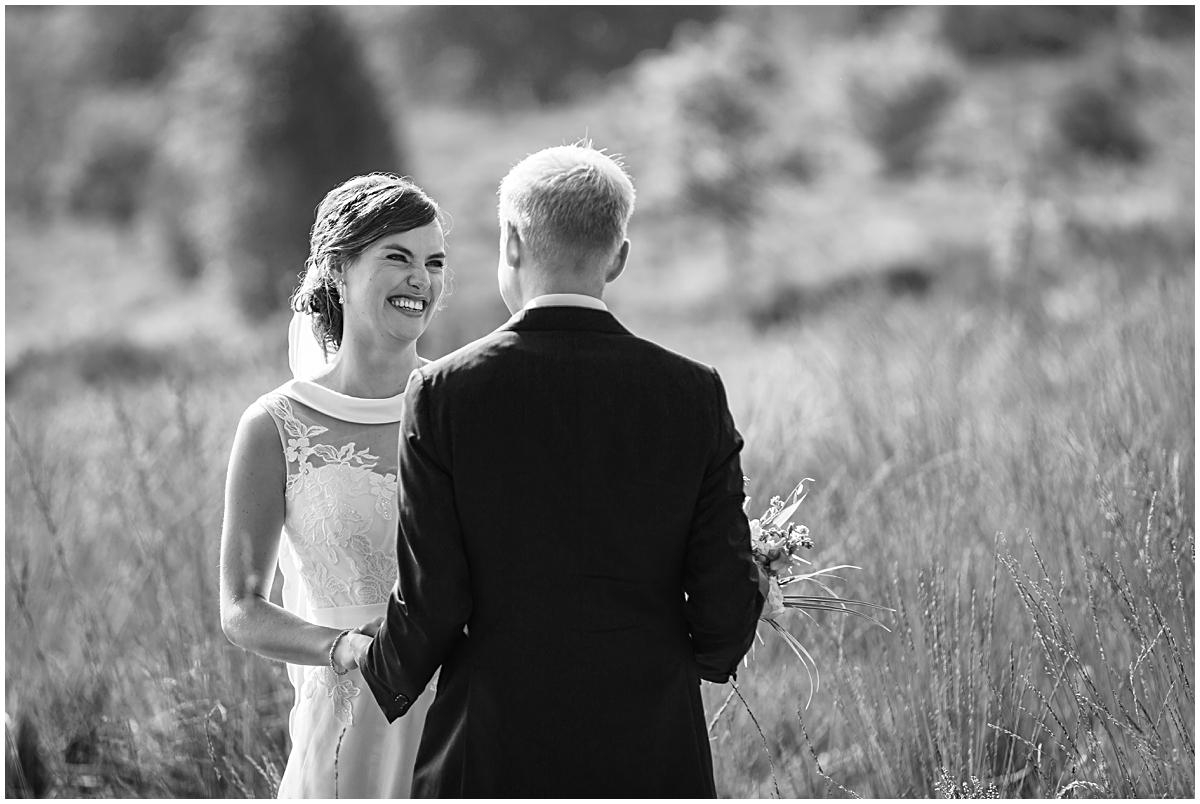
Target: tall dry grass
{"points": [[1017, 481], [1013, 469], [114, 653]]}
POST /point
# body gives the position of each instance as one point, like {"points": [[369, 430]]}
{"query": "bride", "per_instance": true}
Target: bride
{"points": [[312, 485]]}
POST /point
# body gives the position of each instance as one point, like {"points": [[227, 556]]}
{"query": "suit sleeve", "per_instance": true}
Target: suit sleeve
{"points": [[721, 580], [432, 598]]}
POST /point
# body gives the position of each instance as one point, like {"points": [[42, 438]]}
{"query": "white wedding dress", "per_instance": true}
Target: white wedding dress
{"points": [[338, 560]]}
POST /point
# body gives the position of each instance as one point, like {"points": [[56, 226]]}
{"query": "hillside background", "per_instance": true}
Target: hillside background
{"points": [[943, 258]]}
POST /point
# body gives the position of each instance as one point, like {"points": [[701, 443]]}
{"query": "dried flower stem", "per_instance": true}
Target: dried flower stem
{"points": [[766, 747]]}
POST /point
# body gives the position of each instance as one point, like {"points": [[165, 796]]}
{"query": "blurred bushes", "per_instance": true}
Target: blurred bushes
{"points": [[1016, 31], [124, 45], [223, 126], [1012, 31], [1169, 22], [38, 98], [784, 301], [761, 98], [898, 91], [722, 119], [521, 53], [1096, 118], [100, 360], [107, 159], [270, 109], [717, 115], [60, 65]]}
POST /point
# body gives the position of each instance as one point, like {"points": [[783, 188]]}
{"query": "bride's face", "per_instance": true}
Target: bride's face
{"points": [[393, 287]]}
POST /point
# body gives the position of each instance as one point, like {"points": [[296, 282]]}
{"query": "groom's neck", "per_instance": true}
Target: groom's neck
{"points": [[548, 281]]}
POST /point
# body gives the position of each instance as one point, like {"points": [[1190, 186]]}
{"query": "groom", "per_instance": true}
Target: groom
{"points": [[572, 495]]}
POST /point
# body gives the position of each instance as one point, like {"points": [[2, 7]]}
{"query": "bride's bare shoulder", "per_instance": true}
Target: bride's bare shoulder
{"points": [[256, 429], [256, 458]]}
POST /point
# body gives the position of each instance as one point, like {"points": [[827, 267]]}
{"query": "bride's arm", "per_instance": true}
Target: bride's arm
{"points": [[254, 510]]}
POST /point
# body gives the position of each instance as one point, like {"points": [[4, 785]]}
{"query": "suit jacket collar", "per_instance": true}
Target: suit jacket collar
{"points": [[564, 319]]}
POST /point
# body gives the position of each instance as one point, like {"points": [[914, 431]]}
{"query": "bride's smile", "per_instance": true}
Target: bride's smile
{"points": [[407, 304]]}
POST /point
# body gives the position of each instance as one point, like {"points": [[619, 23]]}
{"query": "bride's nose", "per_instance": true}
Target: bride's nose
{"points": [[418, 279]]}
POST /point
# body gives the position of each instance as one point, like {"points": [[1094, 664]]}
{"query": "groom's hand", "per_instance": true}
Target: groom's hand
{"points": [[351, 650], [371, 629]]}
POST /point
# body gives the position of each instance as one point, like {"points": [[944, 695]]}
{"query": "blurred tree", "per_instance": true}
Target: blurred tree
{"points": [[537, 52], [271, 108], [898, 91], [60, 63], [722, 121], [720, 102], [1013, 31]]}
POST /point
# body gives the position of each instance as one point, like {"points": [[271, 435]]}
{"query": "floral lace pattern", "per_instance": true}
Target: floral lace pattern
{"points": [[339, 522], [339, 513], [339, 689]]}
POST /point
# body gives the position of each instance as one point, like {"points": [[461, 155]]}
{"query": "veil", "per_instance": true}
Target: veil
{"points": [[305, 356]]}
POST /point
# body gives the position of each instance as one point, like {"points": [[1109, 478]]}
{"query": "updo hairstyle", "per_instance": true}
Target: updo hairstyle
{"points": [[350, 218]]}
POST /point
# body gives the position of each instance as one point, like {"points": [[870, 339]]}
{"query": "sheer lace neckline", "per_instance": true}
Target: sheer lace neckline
{"points": [[357, 410]]}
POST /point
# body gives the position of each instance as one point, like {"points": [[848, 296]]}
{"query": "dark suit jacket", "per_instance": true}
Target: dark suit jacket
{"points": [[572, 494]]}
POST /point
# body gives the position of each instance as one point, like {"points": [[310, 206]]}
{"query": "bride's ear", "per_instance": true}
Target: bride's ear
{"points": [[512, 245], [618, 263]]}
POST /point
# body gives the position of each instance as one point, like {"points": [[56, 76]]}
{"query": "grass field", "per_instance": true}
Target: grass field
{"points": [[1008, 455]]}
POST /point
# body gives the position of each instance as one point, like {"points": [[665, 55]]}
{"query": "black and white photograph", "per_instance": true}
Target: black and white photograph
{"points": [[596, 402]]}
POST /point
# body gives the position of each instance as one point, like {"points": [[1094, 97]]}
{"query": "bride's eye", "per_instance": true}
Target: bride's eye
{"points": [[436, 265]]}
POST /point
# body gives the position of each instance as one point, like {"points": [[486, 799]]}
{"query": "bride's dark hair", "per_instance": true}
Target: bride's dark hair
{"points": [[350, 218]]}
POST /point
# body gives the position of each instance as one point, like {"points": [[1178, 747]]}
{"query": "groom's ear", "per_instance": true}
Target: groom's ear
{"points": [[618, 263], [512, 245]]}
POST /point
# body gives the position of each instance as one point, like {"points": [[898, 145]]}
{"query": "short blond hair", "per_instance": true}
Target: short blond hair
{"points": [[568, 201]]}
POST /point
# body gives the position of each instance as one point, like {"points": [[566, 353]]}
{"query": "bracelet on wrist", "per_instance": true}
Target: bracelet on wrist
{"points": [[333, 665]]}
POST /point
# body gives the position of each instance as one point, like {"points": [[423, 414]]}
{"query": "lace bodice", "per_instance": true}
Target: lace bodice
{"points": [[337, 555], [340, 518]]}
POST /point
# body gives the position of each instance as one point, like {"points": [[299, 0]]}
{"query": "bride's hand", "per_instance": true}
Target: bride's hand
{"points": [[371, 629], [351, 650]]}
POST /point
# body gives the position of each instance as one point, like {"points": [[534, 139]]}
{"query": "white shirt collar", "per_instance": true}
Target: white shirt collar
{"points": [[566, 300]]}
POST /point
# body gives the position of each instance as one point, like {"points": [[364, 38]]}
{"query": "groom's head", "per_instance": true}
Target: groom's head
{"points": [[563, 216]]}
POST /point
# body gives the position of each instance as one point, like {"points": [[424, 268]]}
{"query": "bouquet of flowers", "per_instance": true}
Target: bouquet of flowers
{"points": [[776, 543]]}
